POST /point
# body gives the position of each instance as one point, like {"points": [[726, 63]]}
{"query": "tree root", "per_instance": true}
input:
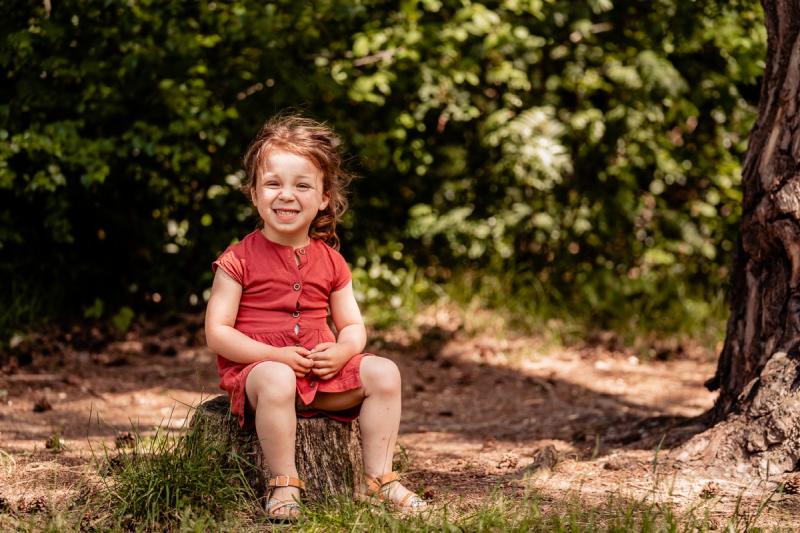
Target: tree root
{"points": [[762, 439]]}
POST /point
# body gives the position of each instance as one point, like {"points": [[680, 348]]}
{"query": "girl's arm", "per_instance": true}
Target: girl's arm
{"points": [[224, 339], [348, 320], [329, 358]]}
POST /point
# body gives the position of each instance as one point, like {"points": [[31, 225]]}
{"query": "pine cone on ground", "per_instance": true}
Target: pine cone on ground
{"points": [[792, 484], [126, 439], [710, 490]]}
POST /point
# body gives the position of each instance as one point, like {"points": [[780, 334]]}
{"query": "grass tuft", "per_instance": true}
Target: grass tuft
{"points": [[501, 513], [167, 481]]}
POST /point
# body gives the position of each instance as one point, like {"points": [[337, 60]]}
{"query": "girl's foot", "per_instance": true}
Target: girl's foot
{"points": [[387, 488], [403, 498], [283, 498]]}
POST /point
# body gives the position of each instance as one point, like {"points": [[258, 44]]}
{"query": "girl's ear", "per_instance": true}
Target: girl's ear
{"points": [[326, 199]]}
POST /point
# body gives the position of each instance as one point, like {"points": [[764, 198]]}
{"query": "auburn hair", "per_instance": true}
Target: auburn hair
{"points": [[317, 142]]}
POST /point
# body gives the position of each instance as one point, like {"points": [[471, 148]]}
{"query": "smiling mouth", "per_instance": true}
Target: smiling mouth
{"points": [[286, 213]]}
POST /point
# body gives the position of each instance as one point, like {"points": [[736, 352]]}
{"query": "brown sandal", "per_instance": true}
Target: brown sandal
{"points": [[376, 493], [274, 504]]}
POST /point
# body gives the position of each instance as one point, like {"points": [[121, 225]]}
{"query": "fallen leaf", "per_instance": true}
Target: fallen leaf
{"points": [[41, 405], [509, 460]]}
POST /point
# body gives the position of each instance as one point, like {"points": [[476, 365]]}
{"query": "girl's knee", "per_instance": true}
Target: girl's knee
{"points": [[380, 375], [272, 381]]}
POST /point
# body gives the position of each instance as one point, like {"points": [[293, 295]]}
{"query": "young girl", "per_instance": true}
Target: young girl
{"points": [[267, 317]]}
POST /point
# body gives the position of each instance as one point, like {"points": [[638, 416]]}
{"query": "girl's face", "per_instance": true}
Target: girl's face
{"points": [[288, 194]]}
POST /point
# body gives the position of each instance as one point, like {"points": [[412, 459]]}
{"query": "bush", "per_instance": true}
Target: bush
{"points": [[592, 146]]}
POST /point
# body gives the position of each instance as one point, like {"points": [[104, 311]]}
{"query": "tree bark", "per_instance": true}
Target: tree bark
{"points": [[758, 408], [328, 453]]}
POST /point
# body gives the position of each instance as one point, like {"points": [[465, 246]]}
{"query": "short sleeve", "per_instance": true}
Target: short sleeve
{"points": [[341, 272], [231, 264]]}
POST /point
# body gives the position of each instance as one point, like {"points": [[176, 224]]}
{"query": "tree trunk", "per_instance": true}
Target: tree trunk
{"points": [[758, 408], [328, 453]]}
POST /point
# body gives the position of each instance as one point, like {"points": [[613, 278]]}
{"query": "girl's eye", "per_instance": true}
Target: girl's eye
{"points": [[272, 184], [303, 186]]}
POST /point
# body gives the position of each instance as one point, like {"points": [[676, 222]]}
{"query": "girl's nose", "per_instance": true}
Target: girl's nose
{"points": [[286, 193]]}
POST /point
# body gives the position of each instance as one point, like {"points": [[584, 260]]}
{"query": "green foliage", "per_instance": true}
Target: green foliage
{"points": [[665, 308], [122, 320], [95, 310], [168, 479], [590, 148]]}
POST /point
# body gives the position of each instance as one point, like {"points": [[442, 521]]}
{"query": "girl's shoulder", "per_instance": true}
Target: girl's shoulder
{"points": [[248, 245], [236, 258], [335, 264], [328, 251]]}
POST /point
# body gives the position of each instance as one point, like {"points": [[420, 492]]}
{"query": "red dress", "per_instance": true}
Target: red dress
{"points": [[285, 304]]}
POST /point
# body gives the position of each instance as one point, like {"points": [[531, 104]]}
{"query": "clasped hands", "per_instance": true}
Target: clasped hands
{"points": [[323, 360]]}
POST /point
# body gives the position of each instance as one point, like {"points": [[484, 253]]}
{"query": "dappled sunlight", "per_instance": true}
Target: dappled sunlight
{"points": [[478, 413]]}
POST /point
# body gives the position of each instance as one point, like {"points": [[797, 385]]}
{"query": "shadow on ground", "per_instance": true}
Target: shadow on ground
{"points": [[444, 392]]}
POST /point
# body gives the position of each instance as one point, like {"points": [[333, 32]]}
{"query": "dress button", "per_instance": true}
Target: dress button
{"points": [[313, 384], [296, 286], [301, 251], [296, 314]]}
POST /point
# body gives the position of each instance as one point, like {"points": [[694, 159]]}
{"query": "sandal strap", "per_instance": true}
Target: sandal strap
{"points": [[387, 478], [274, 504], [286, 481], [410, 500], [374, 490], [374, 485]]}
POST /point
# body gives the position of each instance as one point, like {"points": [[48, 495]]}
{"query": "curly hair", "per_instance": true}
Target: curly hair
{"points": [[317, 142]]}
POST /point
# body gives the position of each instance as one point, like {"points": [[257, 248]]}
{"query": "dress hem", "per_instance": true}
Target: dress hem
{"points": [[241, 408]]}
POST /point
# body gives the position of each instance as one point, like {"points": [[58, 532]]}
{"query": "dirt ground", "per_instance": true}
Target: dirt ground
{"points": [[481, 415]]}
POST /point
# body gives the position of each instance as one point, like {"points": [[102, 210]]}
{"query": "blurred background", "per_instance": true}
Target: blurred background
{"points": [[567, 165]]}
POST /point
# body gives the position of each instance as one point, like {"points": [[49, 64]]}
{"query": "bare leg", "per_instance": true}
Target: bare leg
{"points": [[380, 396], [271, 390], [380, 413]]}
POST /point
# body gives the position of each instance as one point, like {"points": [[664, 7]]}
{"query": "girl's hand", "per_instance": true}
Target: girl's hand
{"points": [[328, 359], [297, 358]]}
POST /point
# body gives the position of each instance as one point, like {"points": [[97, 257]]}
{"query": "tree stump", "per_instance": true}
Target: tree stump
{"points": [[327, 452]]}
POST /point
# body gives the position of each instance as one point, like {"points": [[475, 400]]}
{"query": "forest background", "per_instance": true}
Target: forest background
{"points": [[569, 163]]}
